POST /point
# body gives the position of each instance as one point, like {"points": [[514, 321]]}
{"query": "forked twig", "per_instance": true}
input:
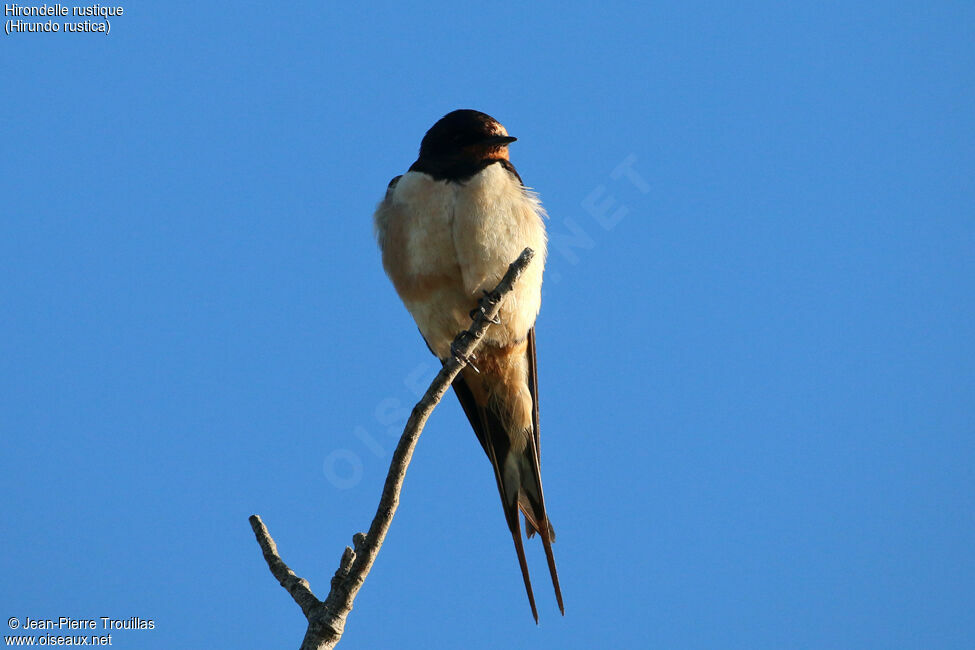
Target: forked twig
{"points": [[326, 619]]}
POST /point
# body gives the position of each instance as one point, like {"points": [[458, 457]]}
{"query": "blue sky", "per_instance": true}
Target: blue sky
{"points": [[756, 347]]}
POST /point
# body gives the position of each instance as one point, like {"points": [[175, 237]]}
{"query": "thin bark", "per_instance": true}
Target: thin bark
{"points": [[326, 619]]}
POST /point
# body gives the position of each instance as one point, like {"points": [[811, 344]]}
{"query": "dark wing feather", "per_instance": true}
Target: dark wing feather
{"points": [[490, 433], [471, 410], [533, 389], [547, 533], [392, 185]]}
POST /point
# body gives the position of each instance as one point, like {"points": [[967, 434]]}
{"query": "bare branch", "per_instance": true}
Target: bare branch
{"points": [[297, 587], [326, 619]]}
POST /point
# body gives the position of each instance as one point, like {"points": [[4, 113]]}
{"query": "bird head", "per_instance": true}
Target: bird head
{"points": [[466, 135]]}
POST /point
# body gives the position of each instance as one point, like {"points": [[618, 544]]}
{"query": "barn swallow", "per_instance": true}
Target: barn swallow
{"points": [[448, 229]]}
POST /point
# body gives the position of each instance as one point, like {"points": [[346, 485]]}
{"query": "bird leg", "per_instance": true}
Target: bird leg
{"points": [[489, 298], [461, 340]]}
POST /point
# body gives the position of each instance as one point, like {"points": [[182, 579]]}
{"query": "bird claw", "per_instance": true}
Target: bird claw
{"points": [[480, 310], [469, 359], [489, 298]]}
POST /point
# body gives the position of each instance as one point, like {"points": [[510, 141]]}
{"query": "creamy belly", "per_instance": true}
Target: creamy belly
{"points": [[444, 243]]}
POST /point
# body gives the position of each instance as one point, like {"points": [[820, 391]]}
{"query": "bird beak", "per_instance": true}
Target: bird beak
{"points": [[498, 140]]}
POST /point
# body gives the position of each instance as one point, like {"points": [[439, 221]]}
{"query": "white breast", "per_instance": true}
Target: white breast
{"points": [[496, 219], [443, 243]]}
